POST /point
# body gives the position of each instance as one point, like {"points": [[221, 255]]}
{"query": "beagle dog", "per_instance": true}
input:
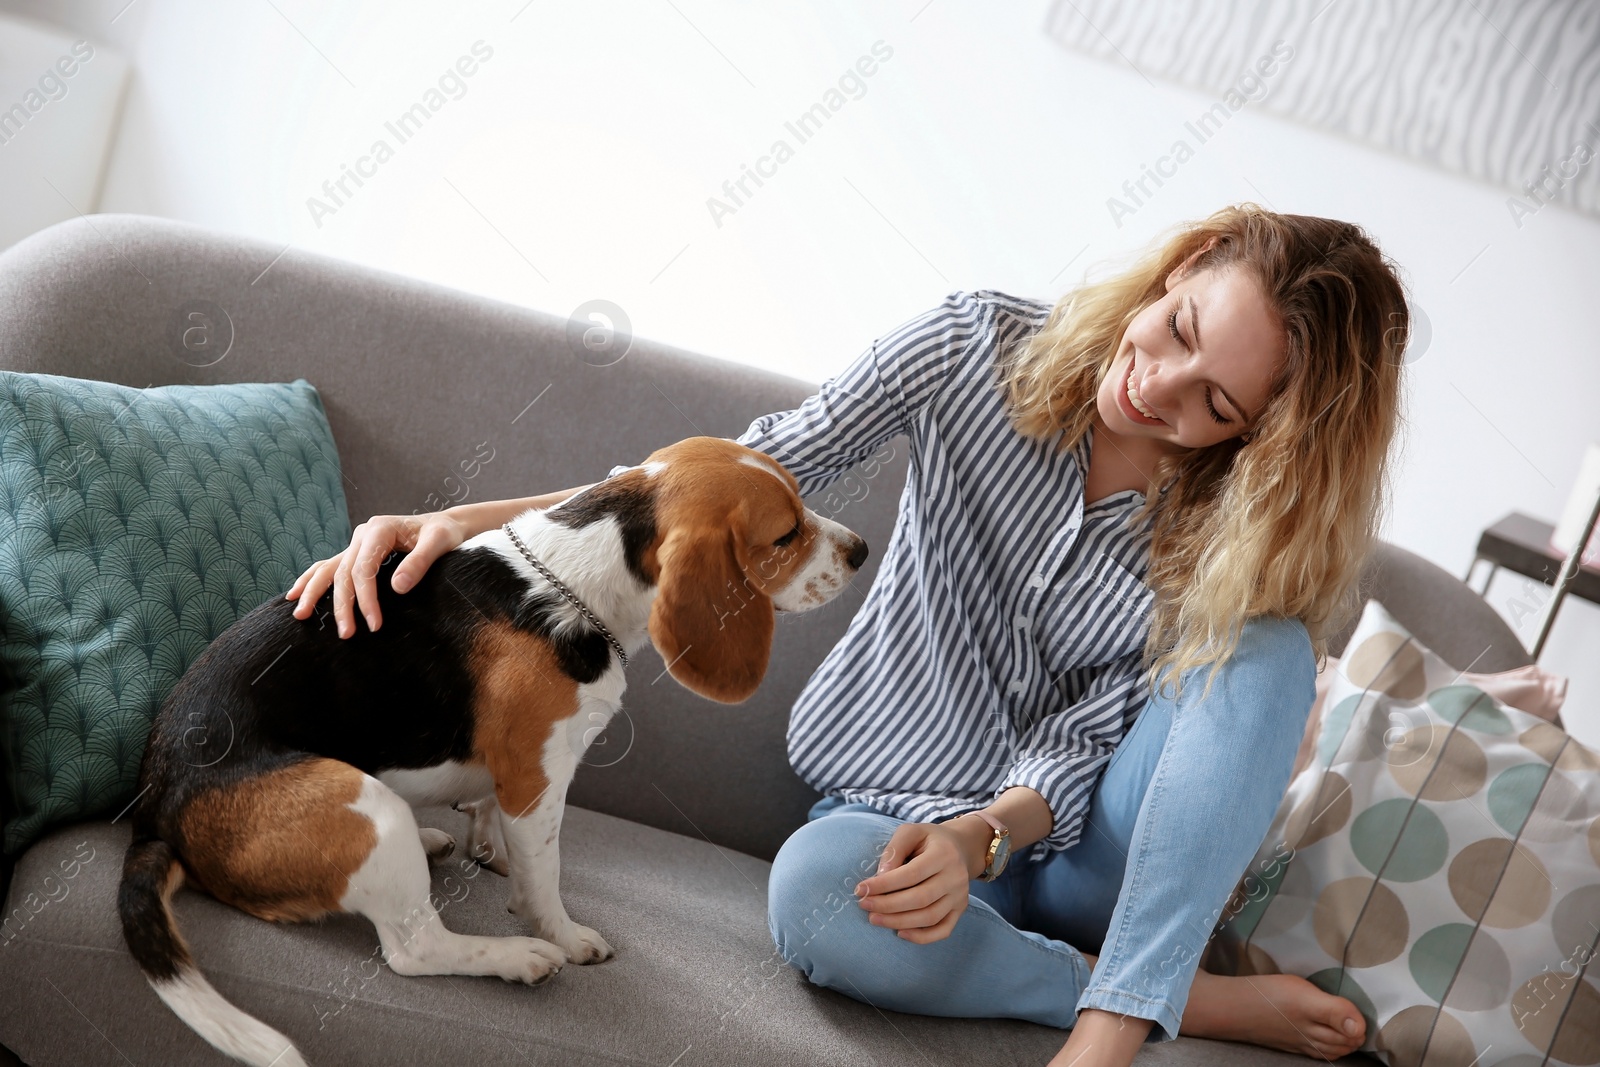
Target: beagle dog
{"points": [[482, 688]]}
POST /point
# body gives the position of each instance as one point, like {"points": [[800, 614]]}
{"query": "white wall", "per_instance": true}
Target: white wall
{"points": [[60, 97], [579, 162]]}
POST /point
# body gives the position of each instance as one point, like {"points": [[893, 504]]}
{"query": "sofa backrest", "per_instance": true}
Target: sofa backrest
{"points": [[436, 396], [428, 392]]}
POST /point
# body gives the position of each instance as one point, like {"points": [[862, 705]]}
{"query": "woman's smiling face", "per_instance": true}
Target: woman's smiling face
{"points": [[1198, 362]]}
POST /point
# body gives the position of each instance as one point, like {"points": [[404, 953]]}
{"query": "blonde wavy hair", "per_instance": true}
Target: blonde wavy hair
{"points": [[1279, 524]]}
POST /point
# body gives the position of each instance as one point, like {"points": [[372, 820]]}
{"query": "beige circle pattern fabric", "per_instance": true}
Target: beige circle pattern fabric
{"points": [[1438, 863]]}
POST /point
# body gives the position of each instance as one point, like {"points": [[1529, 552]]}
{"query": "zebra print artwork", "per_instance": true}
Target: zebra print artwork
{"points": [[1507, 91]]}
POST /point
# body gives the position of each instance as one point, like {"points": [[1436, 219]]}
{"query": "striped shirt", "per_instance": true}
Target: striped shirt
{"points": [[999, 644]]}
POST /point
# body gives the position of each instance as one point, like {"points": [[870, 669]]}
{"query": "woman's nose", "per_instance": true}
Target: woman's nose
{"points": [[1156, 386]]}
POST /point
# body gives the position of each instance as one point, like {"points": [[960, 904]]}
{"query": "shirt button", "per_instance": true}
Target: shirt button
{"points": [[1022, 622], [1038, 581], [1015, 687]]}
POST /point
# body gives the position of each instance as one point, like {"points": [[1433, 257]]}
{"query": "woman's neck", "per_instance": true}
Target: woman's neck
{"points": [[1118, 462]]}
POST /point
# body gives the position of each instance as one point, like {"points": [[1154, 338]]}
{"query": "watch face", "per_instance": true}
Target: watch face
{"points": [[1002, 852]]}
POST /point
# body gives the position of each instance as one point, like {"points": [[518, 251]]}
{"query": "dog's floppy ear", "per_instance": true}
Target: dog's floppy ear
{"points": [[710, 623]]}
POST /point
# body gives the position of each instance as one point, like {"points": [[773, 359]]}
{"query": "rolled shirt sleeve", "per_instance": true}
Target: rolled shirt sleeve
{"points": [[1063, 755]]}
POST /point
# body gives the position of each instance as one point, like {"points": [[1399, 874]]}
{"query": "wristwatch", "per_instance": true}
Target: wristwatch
{"points": [[999, 848]]}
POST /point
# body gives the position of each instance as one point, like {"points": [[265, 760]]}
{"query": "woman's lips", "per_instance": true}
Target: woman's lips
{"points": [[1126, 404]]}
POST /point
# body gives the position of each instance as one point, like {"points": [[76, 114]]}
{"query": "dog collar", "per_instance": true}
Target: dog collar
{"points": [[561, 588]]}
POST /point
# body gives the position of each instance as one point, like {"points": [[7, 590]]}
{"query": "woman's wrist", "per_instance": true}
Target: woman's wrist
{"points": [[476, 518], [973, 836]]}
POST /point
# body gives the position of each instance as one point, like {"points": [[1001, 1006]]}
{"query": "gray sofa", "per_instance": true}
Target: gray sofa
{"points": [[672, 823]]}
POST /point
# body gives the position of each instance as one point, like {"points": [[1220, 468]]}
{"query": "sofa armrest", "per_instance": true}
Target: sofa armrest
{"points": [[1441, 610]]}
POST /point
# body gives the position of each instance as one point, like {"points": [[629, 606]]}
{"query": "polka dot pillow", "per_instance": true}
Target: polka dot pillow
{"points": [[1438, 863]]}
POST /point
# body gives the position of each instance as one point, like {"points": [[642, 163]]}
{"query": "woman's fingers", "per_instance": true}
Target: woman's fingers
{"points": [[937, 932], [344, 620], [355, 583], [353, 574], [919, 919], [353, 563], [364, 575], [294, 590], [429, 542], [918, 896], [312, 584], [297, 590], [906, 841], [917, 869], [921, 887]]}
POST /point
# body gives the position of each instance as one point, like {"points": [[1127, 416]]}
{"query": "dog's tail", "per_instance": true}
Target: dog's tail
{"points": [[151, 873]]}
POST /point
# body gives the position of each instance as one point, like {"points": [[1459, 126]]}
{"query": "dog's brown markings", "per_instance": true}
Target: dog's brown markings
{"points": [[763, 508], [716, 537], [521, 694], [281, 846]]}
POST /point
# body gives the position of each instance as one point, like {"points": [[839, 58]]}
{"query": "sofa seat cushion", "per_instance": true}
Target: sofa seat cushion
{"points": [[695, 982]]}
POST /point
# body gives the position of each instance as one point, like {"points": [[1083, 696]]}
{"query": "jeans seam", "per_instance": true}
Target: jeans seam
{"points": [[1157, 784], [1163, 1003], [990, 915]]}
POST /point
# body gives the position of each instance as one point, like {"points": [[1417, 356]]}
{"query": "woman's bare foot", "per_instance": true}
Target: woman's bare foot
{"points": [[1102, 1039], [1281, 1011]]}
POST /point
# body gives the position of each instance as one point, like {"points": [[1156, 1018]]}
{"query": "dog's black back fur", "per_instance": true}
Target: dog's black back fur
{"points": [[273, 690]]}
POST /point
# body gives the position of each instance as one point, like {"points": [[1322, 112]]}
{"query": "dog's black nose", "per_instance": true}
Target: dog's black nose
{"points": [[858, 554]]}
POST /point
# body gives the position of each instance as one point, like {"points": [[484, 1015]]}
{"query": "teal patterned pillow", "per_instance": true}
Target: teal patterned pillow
{"points": [[135, 526]]}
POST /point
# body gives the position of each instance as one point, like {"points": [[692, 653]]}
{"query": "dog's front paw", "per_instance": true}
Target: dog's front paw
{"points": [[582, 944], [529, 959], [436, 843]]}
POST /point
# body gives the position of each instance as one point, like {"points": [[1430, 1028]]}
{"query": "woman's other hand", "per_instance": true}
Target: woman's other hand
{"points": [[920, 889], [424, 538]]}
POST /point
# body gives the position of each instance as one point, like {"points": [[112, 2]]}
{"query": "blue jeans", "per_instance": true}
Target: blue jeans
{"points": [[1178, 814]]}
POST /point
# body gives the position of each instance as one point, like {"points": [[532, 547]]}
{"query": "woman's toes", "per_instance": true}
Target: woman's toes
{"points": [[1325, 1039], [1350, 1027]]}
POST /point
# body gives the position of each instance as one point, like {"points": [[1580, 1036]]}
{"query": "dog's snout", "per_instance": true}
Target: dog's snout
{"points": [[858, 554]]}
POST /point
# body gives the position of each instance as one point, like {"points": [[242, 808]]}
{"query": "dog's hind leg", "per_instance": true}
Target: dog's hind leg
{"points": [[392, 888], [486, 844], [318, 836]]}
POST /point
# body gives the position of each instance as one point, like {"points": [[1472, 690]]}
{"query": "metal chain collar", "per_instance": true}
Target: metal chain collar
{"points": [[561, 588]]}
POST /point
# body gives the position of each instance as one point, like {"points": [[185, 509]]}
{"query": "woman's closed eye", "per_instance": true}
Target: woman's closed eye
{"points": [[1172, 328]]}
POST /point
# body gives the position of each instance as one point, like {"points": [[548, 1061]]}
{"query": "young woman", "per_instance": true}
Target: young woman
{"points": [[1065, 714]]}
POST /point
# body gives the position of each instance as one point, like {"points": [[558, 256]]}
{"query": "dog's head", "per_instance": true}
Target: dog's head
{"points": [[733, 543]]}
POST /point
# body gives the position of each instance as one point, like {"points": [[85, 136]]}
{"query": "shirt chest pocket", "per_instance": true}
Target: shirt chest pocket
{"points": [[1094, 615]]}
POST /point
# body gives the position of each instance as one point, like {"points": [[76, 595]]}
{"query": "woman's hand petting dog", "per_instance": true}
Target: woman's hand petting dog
{"points": [[423, 537], [920, 889]]}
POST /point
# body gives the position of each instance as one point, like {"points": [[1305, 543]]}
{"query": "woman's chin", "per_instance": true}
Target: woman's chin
{"points": [[1112, 418]]}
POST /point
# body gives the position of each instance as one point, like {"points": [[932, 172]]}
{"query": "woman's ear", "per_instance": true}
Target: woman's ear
{"points": [[710, 624]]}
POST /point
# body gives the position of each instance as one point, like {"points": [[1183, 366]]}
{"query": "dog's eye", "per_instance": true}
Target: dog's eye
{"points": [[786, 538]]}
